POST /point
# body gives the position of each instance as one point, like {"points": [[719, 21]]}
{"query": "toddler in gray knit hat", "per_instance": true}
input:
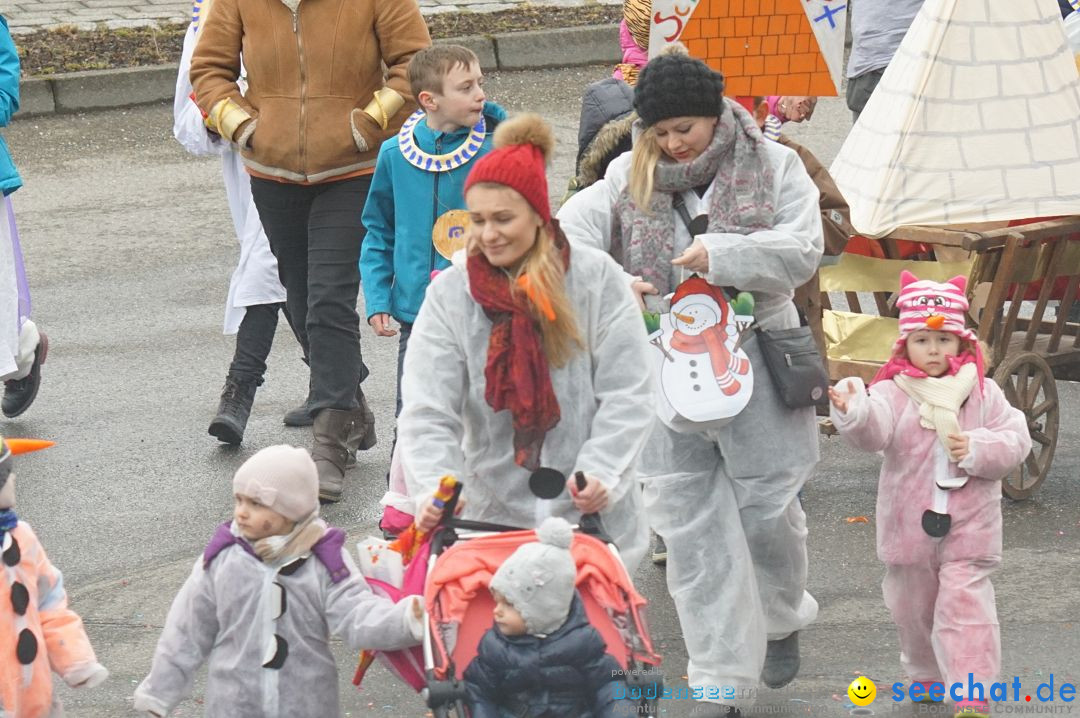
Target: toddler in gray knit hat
{"points": [[542, 657]]}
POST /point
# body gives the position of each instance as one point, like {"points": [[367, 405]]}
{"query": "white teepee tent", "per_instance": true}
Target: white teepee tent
{"points": [[977, 118]]}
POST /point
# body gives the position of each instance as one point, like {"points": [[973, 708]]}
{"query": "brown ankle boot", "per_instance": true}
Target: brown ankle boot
{"points": [[332, 430], [362, 436], [365, 428]]}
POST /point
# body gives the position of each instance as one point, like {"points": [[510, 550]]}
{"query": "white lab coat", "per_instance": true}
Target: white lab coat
{"points": [[12, 352], [255, 279], [604, 393]]}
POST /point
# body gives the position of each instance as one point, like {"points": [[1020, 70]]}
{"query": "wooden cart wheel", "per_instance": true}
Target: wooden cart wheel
{"points": [[1029, 385]]}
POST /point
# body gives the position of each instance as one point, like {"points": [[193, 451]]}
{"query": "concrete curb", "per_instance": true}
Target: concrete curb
{"points": [[126, 87]]}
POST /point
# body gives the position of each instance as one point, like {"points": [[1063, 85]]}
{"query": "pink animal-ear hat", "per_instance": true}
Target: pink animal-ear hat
{"points": [[926, 304], [939, 306]]}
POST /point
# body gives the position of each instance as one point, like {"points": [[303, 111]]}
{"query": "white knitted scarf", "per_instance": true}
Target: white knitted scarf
{"points": [[940, 398]]}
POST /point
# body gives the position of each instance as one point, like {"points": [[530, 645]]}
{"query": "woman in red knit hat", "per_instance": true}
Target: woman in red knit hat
{"points": [[527, 362]]}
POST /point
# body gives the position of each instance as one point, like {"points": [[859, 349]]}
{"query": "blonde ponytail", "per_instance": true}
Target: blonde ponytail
{"points": [[644, 158]]}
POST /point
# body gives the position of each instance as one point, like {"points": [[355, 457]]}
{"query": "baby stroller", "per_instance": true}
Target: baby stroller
{"points": [[465, 555]]}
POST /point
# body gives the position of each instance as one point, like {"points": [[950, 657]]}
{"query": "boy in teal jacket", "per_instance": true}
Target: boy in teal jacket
{"points": [[414, 213]]}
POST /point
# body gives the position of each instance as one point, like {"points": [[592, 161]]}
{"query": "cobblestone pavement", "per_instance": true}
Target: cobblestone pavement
{"points": [[29, 15]]}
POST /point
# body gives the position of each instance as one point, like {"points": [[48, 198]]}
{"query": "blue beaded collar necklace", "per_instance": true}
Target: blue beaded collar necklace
{"points": [[439, 163]]}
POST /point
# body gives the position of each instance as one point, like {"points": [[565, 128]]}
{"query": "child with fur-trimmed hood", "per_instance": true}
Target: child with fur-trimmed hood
{"points": [[541, 658]]}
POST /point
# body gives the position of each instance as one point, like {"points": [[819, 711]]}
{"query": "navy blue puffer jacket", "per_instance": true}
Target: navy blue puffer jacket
{"points": [[569, 673]]}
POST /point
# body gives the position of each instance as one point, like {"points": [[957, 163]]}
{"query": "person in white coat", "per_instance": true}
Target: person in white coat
{"points": [[724, 499], [255, 293], [527, 355]]}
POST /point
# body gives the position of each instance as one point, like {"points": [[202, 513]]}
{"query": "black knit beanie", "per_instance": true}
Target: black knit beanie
{"points": [[677, 85]]}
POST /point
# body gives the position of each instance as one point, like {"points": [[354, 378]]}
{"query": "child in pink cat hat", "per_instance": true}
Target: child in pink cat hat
{"points": [[948, 439]]}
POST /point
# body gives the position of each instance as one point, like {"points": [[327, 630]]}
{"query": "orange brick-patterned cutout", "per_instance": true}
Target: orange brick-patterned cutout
{"points": [[763, 47]]}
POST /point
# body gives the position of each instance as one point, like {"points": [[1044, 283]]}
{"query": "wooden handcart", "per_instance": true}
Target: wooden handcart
{"points": [[1015, 274]]}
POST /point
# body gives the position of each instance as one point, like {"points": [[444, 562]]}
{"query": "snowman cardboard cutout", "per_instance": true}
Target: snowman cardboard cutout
{"points": [[704, 376]]}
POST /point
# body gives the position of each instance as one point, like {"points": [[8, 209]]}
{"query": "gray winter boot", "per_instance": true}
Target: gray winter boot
{"points": [[332, 430], [781, 661]]}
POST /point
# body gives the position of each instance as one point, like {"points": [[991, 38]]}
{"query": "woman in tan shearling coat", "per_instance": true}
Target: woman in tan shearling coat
{"points": [[308, 127]]}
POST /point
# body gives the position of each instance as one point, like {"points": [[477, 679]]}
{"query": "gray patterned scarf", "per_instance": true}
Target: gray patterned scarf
{"points": [[741, 200]]}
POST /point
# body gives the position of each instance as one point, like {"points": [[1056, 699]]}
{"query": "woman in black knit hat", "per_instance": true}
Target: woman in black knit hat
{"points": [[723, 499]]}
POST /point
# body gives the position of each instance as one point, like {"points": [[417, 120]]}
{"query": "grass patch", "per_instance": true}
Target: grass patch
{"points": [[68, 49]]}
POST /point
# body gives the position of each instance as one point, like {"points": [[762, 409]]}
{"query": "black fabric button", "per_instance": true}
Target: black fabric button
{"points": [[547, 483], [935, 524], [26, 648], [280, 654], [20, 598], [290, 568], [277, 595], [12, 556]]}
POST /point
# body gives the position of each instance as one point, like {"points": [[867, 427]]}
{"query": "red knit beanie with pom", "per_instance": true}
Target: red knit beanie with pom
{"points": [[518, 161]]}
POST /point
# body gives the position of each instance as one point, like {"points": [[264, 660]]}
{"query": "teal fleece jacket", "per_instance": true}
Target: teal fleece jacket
{"points": [[9, 105], [398, 256]]}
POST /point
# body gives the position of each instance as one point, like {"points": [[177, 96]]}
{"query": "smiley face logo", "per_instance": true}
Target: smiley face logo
{"points": [[862, 691]]}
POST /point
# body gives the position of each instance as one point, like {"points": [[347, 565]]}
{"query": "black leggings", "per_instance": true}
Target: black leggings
{"points": [[315, 232], [253, 341]]}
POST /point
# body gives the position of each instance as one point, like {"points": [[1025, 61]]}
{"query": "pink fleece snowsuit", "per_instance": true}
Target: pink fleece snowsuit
{"points": [[938, 589]]}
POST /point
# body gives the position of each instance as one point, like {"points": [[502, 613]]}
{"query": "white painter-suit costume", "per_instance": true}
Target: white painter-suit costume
{"points": [[725, 501], [604, 394]]}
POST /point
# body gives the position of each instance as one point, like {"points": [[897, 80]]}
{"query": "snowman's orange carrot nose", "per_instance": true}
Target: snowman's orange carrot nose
{"points": [[936, 321], [683, 317], [25, 446]]}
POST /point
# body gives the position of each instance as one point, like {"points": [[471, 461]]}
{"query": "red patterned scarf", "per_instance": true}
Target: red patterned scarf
{"points": [[517, 372]]}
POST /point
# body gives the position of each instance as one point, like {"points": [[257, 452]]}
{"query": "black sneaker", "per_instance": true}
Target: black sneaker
{"points": [[19, 394], [233, 410], [659, 552]]}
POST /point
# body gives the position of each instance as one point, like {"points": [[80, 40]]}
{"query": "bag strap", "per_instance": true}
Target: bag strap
{"points": [[679, 204]]}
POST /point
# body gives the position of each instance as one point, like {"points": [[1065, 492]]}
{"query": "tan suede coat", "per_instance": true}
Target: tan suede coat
{"points": [[312, 66]]}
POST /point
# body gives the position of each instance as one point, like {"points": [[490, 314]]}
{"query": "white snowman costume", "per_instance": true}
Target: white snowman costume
{"points": [[255, 279]]}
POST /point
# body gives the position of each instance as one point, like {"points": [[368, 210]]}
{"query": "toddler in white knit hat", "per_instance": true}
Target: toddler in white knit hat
{"points": [[263, 600], [541, 657]]}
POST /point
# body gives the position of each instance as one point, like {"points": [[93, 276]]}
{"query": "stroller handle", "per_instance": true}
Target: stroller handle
{"points": [[451, 505], [590, 523]]}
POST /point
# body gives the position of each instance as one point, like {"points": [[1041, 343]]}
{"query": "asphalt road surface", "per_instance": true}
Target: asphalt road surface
{"points": [[129, 249]]}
